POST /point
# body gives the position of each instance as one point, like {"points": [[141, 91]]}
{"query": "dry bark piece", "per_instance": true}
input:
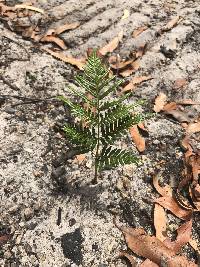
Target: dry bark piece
{"points": [[112, 45], [79, 63], [160, 102], [170, 203], [136, 80], [137, 138], [160, 222], [138, 31], [54, 39]]}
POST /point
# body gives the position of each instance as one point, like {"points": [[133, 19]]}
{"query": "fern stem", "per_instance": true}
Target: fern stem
{"points": [[98, 141]]}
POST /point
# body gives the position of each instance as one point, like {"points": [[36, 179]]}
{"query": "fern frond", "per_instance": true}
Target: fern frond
{"points": [[80, 137], [80, 112], [114, 113], [114, 130], [112, 157], [112, 103], [110, 89]]}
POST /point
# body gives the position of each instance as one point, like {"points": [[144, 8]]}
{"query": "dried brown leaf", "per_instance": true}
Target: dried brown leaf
{"points": [[66, 27], [170, 203], [172, 23], [79, 63], [179, 83], [170, 106], [136, 80], [160, 102], [193, 128], [141, 50], [187, 102], [163, 191], [112, 45], [138, 31], [153, 249], [179, 115], [54, 39], [122, 64], [32, 8], [137, 138], [160, 222], [129, 257], [133, 67]]}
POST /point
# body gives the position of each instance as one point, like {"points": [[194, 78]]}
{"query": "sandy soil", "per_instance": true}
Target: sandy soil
{"points": [[55, 216]]}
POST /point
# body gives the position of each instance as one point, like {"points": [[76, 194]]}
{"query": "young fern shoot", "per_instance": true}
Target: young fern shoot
{"points": [[101, 121]]}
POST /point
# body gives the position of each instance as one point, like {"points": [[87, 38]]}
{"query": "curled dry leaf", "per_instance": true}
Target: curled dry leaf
{"points": [[170, 204], [163, 191], [178, 115], [32, 8], [79, 63], [133, 67], [160, 102], [138, 31], [137, 138], [160, 222], [66, 27], [153, 249], [129, 257], [136, 80], [80, 158], [112, 45], [54, 39], [171, 24]]}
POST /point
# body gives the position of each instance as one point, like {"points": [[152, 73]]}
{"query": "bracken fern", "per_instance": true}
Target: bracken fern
{"points": [[101, 121]]}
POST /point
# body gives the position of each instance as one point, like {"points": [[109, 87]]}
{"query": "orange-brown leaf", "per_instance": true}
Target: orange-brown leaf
{"points": [[193, 128], [136, 80], [66, 27], [172, 23], [170, 204], [53, 39], [133, 67], [160, 222], [79, 63], [163, 191], [112, 45], [138, 31], [160, 102], [179, 83], [137, 138]]}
